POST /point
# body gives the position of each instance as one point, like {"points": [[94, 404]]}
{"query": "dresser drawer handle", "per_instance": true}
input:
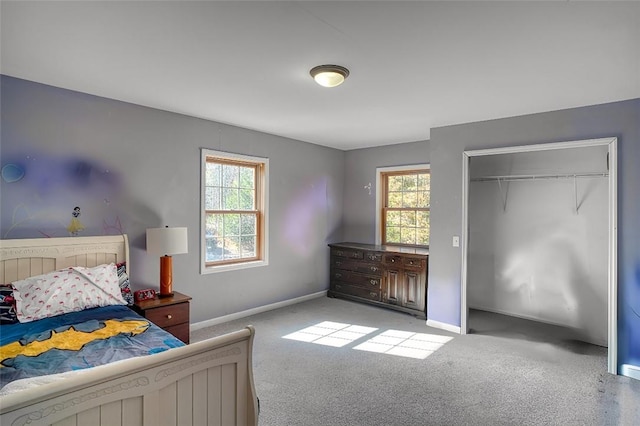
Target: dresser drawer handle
{"points": [[373, 282], [372, 294], [338, 287], [338, 263], [340, 253], [374, 268], [169, 316], [338, 275], [393, 261]]}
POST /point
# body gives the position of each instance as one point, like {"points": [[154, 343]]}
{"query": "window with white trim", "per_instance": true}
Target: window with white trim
{"points": [[234, 216], [404, 205]]}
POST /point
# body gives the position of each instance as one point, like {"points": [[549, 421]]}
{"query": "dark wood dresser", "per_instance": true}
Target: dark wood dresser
{"points": [[389, 276]]}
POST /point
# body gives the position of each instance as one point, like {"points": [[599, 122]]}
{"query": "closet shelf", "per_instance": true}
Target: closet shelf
{"points": [[510, 178], [513, 178]]}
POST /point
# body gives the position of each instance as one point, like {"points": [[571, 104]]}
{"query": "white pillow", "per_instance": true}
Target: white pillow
{"points": [[67, 290]]}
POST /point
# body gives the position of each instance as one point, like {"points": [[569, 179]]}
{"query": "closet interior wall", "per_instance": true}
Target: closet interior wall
{"points": [[538, 237]]}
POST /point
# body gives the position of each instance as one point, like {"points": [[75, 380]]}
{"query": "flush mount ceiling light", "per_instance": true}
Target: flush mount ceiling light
{"points": [[329, 75]]}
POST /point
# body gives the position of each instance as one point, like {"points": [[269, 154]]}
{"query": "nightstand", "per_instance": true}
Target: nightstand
{"points": [[169, 313]]}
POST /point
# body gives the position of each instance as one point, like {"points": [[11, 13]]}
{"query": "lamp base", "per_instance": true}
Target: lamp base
{"points": [[166, 277]]}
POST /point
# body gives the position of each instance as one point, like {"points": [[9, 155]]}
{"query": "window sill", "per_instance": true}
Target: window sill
{"points": [[204, 270]]}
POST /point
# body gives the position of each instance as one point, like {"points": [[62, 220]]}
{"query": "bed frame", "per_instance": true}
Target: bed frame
{"points": [[205, 383]]}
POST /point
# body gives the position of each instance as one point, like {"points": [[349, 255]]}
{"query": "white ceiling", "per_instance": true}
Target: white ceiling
{"points": [[414, 65]]}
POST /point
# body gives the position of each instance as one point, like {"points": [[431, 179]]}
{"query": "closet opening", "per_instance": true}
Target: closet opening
{"points": [[539, 243]]}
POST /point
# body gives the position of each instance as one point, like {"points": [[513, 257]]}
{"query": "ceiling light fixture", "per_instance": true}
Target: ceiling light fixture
{"points": [[329, 75]]}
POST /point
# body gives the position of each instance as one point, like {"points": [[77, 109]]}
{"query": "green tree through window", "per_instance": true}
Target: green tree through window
{"points": [[406, 207], [233, 210]]}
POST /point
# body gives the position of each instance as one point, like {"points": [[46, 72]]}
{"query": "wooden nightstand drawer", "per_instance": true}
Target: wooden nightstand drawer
{"points": [[181, 331], [169, 313], [166, 316]]}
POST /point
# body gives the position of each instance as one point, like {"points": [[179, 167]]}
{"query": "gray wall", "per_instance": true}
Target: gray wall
{"points": [[359, 217], [535, 256], [153, 162], [619, 119]]}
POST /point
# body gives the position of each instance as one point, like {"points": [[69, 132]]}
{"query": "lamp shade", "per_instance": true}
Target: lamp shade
{"points": [[167, 241]]}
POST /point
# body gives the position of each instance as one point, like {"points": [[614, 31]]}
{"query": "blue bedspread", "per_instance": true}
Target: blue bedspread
{"points": [[76, 341]]}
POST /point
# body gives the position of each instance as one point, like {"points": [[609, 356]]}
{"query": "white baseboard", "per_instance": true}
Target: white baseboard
{"points": [[443, 326], [629, 370], [258, 310]]}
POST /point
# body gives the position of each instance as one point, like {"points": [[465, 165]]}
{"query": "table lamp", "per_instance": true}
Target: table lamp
{"points": [[166, 242]]}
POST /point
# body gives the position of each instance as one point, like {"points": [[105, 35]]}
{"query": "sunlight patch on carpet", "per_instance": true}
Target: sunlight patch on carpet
{"points": [[331, 333], [404, 343], [392, 342]]}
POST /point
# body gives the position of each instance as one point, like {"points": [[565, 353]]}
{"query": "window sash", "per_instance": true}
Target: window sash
{"points": [[386, 209], [257, 236], [257, 212]]}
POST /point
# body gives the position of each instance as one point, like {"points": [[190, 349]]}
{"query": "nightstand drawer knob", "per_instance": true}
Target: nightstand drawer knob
{"points": [[169, 316]]}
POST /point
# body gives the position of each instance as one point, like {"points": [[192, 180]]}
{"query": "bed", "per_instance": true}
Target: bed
{"points": [[167, 383]]}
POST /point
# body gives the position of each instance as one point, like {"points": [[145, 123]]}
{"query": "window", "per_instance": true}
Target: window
{"points": [[404, 205], [234, 189]]}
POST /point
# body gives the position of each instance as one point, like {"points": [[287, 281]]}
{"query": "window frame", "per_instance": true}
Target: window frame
{"points": [[262, 206], [381, 195]]}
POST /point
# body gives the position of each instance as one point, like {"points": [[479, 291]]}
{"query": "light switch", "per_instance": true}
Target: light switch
{"points": [[456, 241]]}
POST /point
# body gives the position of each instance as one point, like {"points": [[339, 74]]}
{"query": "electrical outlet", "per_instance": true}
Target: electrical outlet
{"points": [[456, 241]]}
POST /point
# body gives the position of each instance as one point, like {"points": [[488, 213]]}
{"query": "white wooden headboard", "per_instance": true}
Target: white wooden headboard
{"points": [[23, 258]]}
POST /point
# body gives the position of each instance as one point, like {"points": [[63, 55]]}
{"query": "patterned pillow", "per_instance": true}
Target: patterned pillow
{"points": [[123, 281], [7, 305], [67, 290]]}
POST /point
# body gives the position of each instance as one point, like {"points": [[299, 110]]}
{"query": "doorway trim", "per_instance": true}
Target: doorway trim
{"points": [[612, 285]]}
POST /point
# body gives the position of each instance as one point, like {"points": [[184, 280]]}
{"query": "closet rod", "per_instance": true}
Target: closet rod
{"points": [[508, 178]]}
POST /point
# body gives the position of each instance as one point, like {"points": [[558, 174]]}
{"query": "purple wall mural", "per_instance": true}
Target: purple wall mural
{"points": [[56, 196]]}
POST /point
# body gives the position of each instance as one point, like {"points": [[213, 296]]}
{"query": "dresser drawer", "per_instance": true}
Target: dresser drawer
{"points": [[392, 260], [167, 316], [372, 256], [370, 294], [355, 265], [348, 253], [414, 263], [354, 278]]}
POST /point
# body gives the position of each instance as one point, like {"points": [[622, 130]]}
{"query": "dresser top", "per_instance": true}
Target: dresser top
{"points": [[382, 248]]}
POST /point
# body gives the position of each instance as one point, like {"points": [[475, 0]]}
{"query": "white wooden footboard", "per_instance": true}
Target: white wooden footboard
{"points": [[205, 383]]}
